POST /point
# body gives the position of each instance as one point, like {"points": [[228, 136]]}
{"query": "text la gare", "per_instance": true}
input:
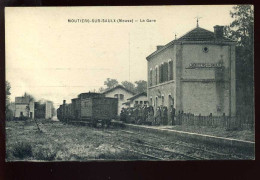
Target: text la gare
{"points": [[147, 20]]}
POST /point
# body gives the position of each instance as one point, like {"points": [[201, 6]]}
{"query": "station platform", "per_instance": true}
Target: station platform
{"points": [[189, 136]]}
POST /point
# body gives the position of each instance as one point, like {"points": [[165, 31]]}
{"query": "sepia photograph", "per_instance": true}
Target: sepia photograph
{"points": [[129, 83]]}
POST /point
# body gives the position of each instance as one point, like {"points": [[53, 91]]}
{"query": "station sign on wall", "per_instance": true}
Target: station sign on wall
{"points": [[204, 65]]}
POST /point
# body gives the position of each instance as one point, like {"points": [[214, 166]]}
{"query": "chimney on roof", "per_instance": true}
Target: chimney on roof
{"points": [[158, 47], [64, 101], [218, 31]]}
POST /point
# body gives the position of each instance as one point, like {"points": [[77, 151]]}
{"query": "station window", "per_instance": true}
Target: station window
{"points": [[116, 95], [136, 102], [121, 96], [145, 102], [156, 75], [165, 72], [205, 49], [141, 102], [163, 100]]}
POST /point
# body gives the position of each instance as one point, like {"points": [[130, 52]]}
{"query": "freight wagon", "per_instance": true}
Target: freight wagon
{"points": [[91, 108]]}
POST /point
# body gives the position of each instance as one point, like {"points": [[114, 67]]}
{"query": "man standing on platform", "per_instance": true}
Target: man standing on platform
{"points": [[165, 115], [172, 111]]}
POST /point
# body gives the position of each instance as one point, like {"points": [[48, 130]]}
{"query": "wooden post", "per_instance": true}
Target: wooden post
{"points": [[37, 125], [199, 122], [226, 120], [210, 119]]}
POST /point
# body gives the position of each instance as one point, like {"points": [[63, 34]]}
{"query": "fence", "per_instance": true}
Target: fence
{"points": [[238, 122]]}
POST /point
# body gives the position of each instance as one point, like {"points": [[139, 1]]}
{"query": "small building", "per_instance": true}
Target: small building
{"points": [[48, 110], [121, 93], [12, 108], [138, 99], [196, 73], [24, 107]]}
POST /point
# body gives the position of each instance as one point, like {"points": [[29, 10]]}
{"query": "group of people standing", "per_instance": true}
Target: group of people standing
{"points": [[148, 115]]}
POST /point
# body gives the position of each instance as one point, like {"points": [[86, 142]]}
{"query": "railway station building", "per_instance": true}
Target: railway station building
{"points": [[195, 73]]}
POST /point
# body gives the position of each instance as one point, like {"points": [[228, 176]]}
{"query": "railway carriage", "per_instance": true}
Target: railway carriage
{"points": [[90, 108], [98, 110]]}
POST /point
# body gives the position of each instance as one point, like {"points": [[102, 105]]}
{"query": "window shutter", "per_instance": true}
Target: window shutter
{"points": [[171, 70], [164, 72], [161, 73], [155, 76], [167, 71]]}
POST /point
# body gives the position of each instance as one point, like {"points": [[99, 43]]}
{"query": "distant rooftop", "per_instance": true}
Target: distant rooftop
{"points": [[90, 95], [118, 86], [138, 95], [22, 100]]}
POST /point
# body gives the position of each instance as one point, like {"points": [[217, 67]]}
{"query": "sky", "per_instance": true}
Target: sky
{"points": [[52, 59]]}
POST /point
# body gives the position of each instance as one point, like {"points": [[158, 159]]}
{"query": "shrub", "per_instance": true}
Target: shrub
{"points": [[82, 135], [9, 115], [9, 154], [23, 118], [22, 150], [45, 154], [117, 118]]}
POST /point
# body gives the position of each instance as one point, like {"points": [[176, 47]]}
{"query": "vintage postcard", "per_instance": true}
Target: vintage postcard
{"points": [[139, 83]]}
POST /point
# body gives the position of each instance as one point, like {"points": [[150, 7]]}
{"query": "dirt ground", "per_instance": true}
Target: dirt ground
{"points": [[57, 141], [64, 142]]}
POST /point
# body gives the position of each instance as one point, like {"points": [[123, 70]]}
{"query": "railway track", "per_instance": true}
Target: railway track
{"points": [[185, 151], [149, 149], [167, 154], [169, 150], [209, 154]]}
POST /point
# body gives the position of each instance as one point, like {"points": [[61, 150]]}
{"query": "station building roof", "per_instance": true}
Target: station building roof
{"points": [[22, 100], [200, 34], [197, 34]]}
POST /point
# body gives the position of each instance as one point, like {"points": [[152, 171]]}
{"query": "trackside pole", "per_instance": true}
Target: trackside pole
{"points": [[37, 125]]}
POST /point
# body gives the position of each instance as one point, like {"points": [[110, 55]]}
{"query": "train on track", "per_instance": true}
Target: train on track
{"points": [[89, 108]]}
